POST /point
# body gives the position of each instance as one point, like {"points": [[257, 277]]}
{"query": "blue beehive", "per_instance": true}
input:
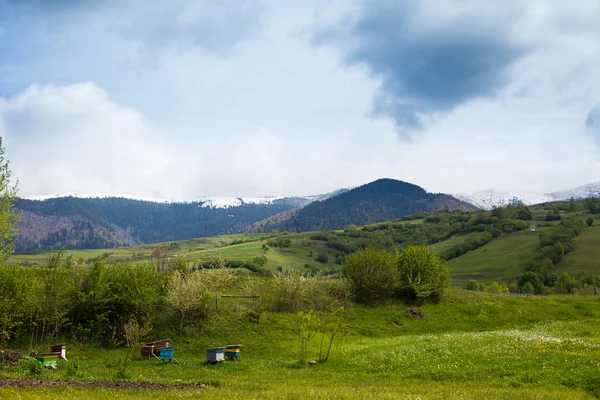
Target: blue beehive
{"points": [[166, 353], [232, 351]]}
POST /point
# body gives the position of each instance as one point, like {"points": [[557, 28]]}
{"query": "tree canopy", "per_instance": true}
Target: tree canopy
{"points": [[8, 215]]}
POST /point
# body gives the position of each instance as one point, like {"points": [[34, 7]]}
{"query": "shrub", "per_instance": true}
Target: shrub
{"points": [[9, 357], [421, 274], [322, 258], [372, 274], [532, 279], [472, 285]]}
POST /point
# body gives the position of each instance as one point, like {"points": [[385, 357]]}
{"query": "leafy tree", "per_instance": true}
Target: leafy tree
{"points": [[472, 285], [533, 279], [159, 257], [592, 205], [524, 213], [528, 288], [218, 279], [565, 284], [322, 258], [372, 274], [15, 299], [8, 215], [572, 205], [589, 221], [421, 273], [184, 294]]}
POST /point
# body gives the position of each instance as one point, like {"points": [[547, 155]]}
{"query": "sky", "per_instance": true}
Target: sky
{"points": [[177, 99]]}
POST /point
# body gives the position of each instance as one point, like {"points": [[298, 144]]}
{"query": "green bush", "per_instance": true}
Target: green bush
{"points": [[421, 274], [372, 274]]}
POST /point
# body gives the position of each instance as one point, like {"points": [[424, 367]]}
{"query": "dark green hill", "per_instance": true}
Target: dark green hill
{"points": [[381, 200], [92, 223]]}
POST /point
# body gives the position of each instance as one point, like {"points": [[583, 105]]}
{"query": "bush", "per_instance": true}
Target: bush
{"points": [[372, 274], [322, 258], [9, 357], [421, 274], [472, 285], [530, 281]]}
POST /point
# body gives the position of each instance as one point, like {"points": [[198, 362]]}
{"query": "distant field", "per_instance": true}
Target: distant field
{"points": [[586, 252], [499, 260], [209, 249]]}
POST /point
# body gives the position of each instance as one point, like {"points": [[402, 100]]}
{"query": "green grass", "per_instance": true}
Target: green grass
{"points": [[500, 260], [207, 249], [586, 252], [472, 345]]}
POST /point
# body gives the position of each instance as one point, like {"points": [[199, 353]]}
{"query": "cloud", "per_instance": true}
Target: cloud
{"points": [[66, 139], [186, 99], [211, 25], [430, 57]]}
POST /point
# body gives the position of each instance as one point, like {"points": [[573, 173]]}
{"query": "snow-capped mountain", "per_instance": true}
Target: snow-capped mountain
{"points": [[297, 201], [491, 198], [207, 201], [578, 193], [226, 202]]}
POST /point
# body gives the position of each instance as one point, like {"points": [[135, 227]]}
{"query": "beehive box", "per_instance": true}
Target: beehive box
{"points": [[61, 349], [166, 353], [147, 351], [232, 351], [215, 355], [47, 359]]}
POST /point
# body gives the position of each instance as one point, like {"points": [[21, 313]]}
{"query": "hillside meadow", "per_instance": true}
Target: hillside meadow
{"points": [[501, 259], [470, 345]]}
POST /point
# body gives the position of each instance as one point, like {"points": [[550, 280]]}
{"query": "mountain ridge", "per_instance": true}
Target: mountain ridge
{"points": [[492, 198]]}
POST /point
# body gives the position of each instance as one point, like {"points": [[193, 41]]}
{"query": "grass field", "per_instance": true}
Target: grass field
{"points": [[586, 252], [207, 249], [472, 346], [500, 260]]}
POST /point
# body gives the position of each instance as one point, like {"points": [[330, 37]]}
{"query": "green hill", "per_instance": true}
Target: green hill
{"points": [[478, 245]]}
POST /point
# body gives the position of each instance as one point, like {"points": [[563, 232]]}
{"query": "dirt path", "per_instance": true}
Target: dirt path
{"points": [[50, 383]]}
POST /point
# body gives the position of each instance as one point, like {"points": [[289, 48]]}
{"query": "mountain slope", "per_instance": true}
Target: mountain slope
{"points": [[85, 223], [377, 201], [492, 198]]}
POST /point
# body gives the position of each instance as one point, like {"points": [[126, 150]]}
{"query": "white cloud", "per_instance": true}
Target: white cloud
{"points": [[243, 104], [75, 139]]}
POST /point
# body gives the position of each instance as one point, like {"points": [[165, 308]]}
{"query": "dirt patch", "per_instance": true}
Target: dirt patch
{"points": [[55, 383]]}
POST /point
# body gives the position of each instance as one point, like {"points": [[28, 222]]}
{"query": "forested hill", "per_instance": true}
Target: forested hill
{"points": [[83, 223], [86, 223], [382, 200]]}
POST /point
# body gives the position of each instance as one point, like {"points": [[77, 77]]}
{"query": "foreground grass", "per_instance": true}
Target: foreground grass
{"points": [[470, 346]]}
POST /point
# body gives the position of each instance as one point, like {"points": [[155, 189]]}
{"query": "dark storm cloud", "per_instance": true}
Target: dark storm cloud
{"points": [[427, 63]]}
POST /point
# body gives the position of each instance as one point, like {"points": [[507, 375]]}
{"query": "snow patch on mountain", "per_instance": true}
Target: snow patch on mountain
{"points": [[579, 193], [226, 202], [491, 198]]}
